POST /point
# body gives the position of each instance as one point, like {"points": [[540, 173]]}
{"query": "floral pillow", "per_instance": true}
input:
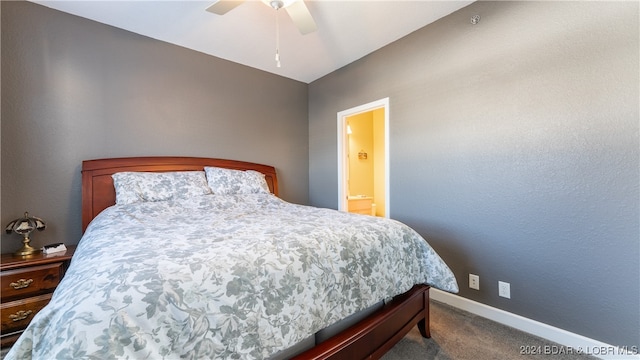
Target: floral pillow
{"points": [[134, 187], [230, 181]]}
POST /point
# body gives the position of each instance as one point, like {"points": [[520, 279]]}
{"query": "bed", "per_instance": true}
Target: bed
{"points": [[231, 273]]}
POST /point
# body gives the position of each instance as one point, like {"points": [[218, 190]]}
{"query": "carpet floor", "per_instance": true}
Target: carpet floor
{"points": [[460, 335]]}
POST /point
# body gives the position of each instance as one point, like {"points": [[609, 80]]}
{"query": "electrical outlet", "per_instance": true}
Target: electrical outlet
{"points": [[504, 289], [474, 281]]}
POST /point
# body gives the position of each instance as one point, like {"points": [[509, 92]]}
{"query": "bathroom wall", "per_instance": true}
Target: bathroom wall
{"points": [[361, 154], [379, 181]]}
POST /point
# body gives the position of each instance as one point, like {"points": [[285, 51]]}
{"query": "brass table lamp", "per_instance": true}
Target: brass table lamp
{"points": [[24, 226]]}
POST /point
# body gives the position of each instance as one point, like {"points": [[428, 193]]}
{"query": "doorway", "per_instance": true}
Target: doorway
{"points": [[363, 159]]}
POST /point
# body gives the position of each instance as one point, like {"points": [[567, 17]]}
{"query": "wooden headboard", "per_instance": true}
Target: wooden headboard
{"points": [[98, 192]]}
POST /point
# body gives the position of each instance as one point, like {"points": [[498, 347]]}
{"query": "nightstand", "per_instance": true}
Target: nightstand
{"points": [[27, 285]]}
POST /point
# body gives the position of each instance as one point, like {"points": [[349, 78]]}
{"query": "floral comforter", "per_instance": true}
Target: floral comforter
{"points": [[222, 276]]}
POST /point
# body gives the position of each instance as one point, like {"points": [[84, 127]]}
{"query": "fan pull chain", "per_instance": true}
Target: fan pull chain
{"points": [[277, 38]]}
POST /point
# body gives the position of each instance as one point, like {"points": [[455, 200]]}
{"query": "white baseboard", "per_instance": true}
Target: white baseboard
{"points": [[568, 341]]}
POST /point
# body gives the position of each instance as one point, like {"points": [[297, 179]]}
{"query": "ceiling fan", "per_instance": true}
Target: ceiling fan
{"points": [[296, 9]]}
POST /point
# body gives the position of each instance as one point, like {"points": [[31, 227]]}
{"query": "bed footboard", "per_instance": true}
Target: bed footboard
{"points": [[374, 336]]}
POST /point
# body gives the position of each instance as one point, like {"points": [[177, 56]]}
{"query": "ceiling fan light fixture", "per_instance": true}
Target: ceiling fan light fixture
{"points": [[297, 10], [278, 4]]}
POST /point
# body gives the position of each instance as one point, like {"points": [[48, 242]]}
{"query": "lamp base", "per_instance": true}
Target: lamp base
{"points": [[26, 250]]}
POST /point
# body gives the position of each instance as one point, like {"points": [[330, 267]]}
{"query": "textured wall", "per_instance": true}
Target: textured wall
{"points": [[514, 149], [74, 89]]}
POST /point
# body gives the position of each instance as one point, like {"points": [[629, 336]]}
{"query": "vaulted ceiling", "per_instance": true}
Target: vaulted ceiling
{"points": [[346, 30]]}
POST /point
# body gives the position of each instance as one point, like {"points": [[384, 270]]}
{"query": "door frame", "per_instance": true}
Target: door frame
{"points": [[343, 150]]}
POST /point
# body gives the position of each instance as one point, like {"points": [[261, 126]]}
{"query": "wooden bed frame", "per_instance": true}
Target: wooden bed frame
{"points": [[369, 338]]}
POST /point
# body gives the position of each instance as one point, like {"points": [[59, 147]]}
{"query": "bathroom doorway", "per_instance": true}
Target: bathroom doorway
{"points": [[363, 159]]}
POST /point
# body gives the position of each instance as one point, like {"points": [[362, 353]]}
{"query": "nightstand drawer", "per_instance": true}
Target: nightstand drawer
{"points": [[16, 315], [27, 284], [21, 283]]}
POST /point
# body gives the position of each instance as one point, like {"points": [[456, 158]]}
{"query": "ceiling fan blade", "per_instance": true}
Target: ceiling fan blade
{"points": [[301, 16], [222, 7]]}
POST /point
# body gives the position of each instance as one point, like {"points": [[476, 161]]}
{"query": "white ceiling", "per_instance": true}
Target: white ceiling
{"points": [[347, 30]]}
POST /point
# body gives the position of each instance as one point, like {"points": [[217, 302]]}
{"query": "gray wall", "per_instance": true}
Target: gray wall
{"points": [[74, 89], [514, 143], [514, 150]]}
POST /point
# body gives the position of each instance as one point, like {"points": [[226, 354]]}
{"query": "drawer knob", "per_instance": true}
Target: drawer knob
{"points": [[20, 315], [21, 284]]}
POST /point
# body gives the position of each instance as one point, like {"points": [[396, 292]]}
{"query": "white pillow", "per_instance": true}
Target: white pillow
{"points": [[230, 181], [134, 187]]}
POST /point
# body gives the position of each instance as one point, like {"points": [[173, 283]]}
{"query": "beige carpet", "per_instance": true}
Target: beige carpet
{"points": [[459, 335]]}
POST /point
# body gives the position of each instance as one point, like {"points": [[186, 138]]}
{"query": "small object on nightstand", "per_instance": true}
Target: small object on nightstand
{"points": [[24, 226], [53, 248]]}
